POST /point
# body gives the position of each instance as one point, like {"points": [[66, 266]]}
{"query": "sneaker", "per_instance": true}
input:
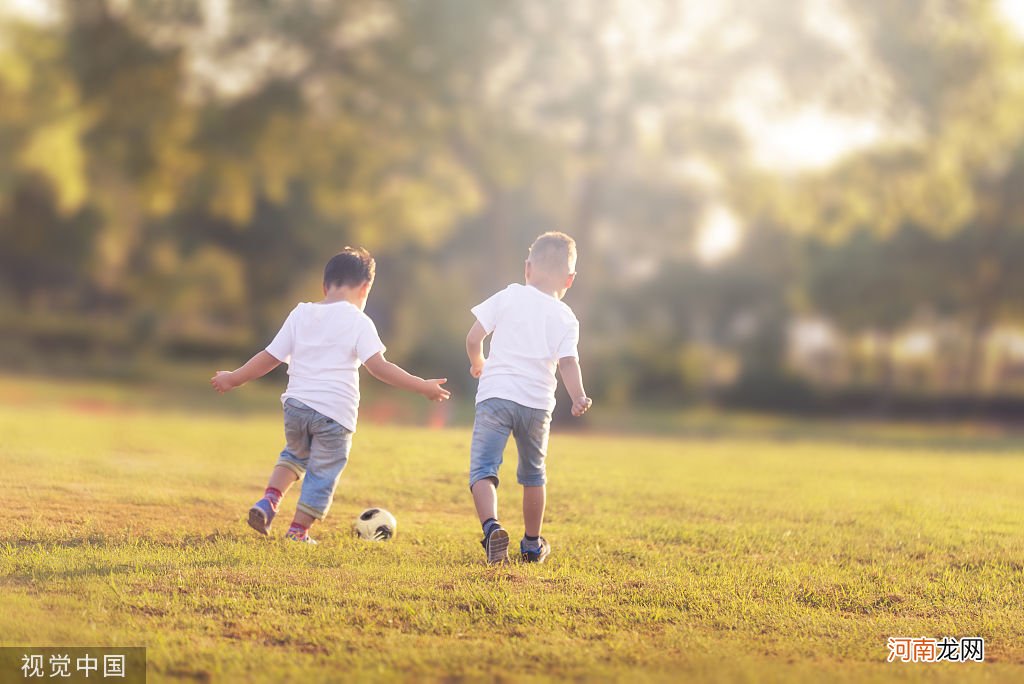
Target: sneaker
{"points": [[293, 536], [495, 543], [261, 515], [531, 555]]}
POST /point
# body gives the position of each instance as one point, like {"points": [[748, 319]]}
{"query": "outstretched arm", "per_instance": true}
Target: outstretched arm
{"points": [[394, 375], [256, 367], [572, 376], [475, 349]]}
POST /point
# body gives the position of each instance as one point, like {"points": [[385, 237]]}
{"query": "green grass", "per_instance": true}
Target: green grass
{"points": [[771, 553]]}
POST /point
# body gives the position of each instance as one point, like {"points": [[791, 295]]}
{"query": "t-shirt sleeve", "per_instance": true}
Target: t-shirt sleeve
{"points": [[487, 311], [568, 345], [368, 343], [283, 344]]}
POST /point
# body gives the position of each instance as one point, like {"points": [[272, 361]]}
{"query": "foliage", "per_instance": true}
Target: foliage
{"points": [[186, 174]]}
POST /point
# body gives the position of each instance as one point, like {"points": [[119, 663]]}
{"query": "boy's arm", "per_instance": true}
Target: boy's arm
{"points": [[475, 349], [256, 367], [385, 371], [572, 376]]}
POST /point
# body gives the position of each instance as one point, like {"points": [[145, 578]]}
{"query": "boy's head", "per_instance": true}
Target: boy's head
{"points": [[351, 268], [551, 265]]}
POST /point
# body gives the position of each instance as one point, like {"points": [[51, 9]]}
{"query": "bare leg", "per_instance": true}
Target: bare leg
{"points": [[304, 519], [534, 499], [485, 497], [282, 479], [263, 511]]}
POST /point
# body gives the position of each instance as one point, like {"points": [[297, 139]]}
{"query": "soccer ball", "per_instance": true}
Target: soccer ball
{"points": [[375, 524]]}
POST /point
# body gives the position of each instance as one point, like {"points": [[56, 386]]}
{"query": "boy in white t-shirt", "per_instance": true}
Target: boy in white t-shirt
{"points": [[534, 332], [323, 343]]}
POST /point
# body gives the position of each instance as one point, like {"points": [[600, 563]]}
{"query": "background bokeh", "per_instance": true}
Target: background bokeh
{"points": [[799, 205]]}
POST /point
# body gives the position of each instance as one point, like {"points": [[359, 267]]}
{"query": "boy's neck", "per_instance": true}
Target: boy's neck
{"points": [[351, 295], [546, 289]]}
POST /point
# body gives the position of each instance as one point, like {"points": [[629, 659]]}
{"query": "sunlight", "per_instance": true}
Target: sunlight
{"points": [[1013, 12], [37, 11], [809, 139], [718, 236]]}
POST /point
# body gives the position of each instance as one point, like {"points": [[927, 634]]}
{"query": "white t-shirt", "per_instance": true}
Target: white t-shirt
{"points": [[532, 331], [324, 345]]}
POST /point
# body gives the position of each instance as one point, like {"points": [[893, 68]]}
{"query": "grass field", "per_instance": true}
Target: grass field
{"points": [[763, 555]]}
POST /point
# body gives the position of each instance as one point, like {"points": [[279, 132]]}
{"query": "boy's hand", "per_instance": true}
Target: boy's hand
{"points": [[476, 369], [580, 406], [223, 381], [433, 391]]}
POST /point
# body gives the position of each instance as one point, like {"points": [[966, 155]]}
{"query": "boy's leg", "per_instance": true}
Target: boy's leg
{"points": [[327, 459], [485, 498], [534, 499], [282, 479], [531, 432], [290, 467], [495, 541], [491, 429]]}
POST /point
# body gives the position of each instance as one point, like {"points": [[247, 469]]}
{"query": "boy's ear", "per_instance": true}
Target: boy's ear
{"points": [[569, 280]]}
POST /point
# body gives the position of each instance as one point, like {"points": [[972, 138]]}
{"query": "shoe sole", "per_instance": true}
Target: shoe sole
{"points": [[497, 547], [543, 554], [258, 520]]}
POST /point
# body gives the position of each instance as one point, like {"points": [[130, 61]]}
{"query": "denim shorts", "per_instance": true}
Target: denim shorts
{"points": [[315, 447], [495, 420]]}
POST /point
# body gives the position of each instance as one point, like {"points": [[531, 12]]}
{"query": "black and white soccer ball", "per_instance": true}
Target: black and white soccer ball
{"points": [[375, 524]]}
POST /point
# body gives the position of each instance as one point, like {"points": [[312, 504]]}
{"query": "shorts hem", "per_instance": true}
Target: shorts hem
{"points": [[319, 515], [493, 477], [290, 465]]}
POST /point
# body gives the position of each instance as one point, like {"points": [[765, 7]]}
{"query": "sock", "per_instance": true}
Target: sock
{"points": [[273, 495], [531, 542], [300, 531], [488, 524]]}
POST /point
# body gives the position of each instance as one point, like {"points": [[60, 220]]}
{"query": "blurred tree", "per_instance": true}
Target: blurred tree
{"points": [[145, 142], [46, 229], [931, 219]]}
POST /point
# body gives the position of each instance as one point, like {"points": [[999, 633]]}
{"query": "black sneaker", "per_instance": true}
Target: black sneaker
{"points": [[495, 543], [535, 555]]}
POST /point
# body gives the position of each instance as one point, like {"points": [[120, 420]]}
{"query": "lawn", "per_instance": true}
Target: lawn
{"points": [[751, 555]]}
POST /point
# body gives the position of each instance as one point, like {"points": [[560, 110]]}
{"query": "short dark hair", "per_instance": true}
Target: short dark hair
{"points": [[350, 267]]}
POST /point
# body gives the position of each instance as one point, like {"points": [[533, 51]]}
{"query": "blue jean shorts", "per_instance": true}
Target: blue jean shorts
{"points": [[316, 447], [495, 420]]}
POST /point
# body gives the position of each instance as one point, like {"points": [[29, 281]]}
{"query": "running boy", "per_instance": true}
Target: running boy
{"points": [[534, 331], [323, 344]]}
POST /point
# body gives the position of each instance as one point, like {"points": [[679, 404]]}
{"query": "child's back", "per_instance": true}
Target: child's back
{"points": [[531, 331], [324, 345], [533, 334]]}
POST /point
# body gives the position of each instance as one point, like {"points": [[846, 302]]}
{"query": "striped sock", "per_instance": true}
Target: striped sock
{"points": [[273, 495], [532, 543], [300, 531], [488, 524]]}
